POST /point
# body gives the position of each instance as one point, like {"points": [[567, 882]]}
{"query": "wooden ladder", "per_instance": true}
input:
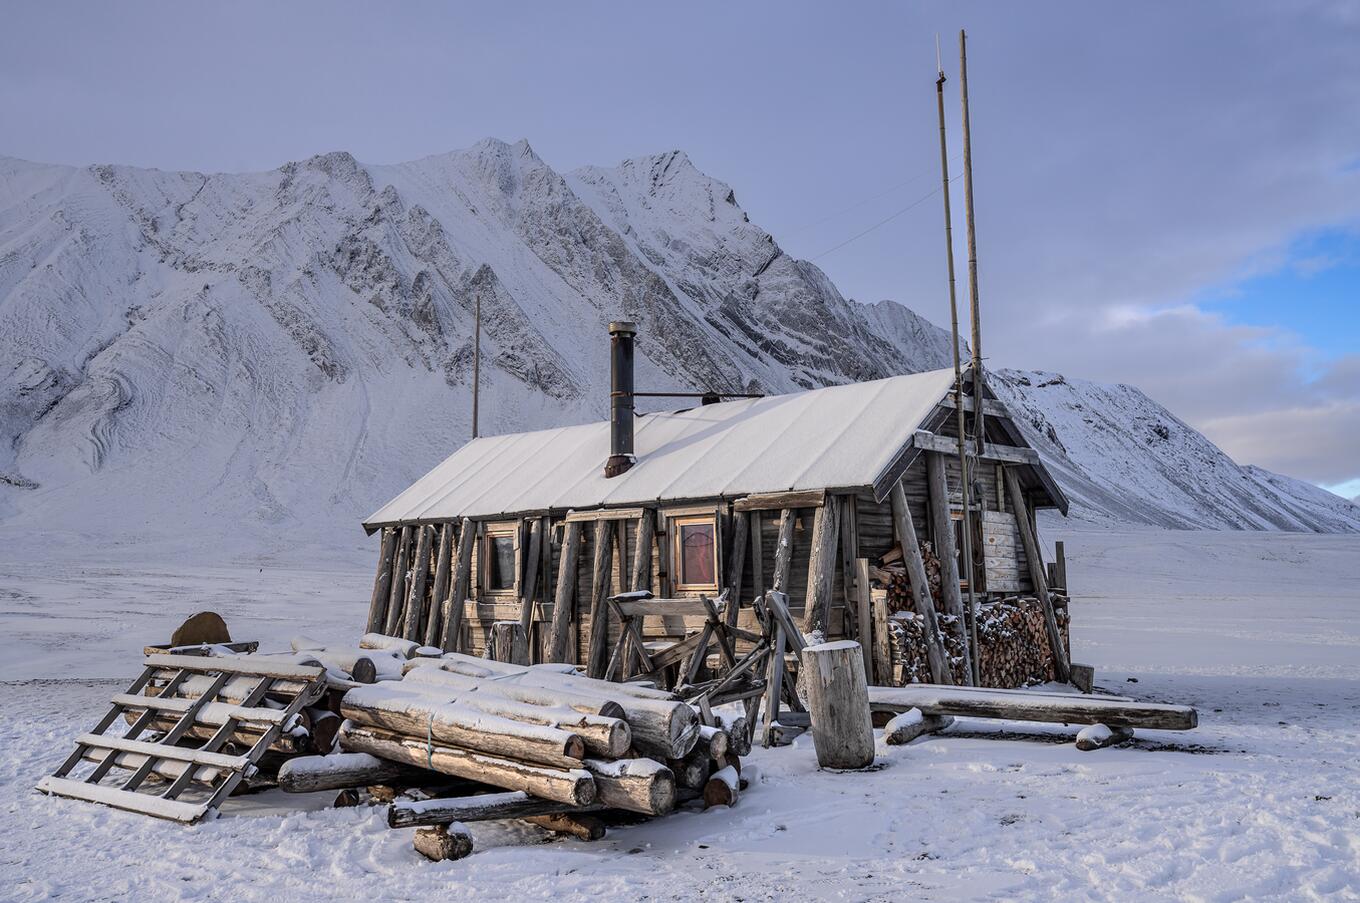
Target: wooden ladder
{"points": [[197, 691]]}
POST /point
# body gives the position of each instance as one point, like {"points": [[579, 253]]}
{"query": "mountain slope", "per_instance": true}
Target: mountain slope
{"points": [[278, 353]]}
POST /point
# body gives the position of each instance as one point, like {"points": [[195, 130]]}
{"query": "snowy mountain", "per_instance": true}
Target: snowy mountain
{"points": [[279, 353]]}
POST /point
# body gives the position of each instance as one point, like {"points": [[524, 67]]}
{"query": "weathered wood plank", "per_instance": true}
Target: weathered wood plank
{"points": [[945, 445], [413, 620], [737, 565], [462, 584], [561, 637], [826, 531], [774, 501], [1019, 705], [599, 591], [439, 593], [382, 582], [396, 598]]}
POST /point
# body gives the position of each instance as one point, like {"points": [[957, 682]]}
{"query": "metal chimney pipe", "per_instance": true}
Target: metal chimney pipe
{"points": [[621, 458]]}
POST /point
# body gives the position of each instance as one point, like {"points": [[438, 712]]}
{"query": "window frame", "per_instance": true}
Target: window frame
{"points": [[677, 553], [490, 533]]}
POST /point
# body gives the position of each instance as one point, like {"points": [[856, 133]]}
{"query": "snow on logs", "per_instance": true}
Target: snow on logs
{"points": [[1029, 705]]}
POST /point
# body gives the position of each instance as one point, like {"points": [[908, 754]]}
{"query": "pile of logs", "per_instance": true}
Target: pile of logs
{"points": [[483, 740], [1012, 639]]}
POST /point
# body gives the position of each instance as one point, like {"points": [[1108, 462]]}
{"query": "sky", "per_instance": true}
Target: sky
{"points": [[1167, 195]]}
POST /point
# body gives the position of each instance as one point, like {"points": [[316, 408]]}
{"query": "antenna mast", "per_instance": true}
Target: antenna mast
{"points": [[964, 469], [476, 360]]}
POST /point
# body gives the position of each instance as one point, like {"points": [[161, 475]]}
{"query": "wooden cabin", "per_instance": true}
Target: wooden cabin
{"points": [[534, 528]]}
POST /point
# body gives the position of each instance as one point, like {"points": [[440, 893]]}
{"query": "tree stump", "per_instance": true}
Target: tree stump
{"points": [[838, 701]]}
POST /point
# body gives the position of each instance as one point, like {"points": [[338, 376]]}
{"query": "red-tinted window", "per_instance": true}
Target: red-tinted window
{"points": [[696, 546]]}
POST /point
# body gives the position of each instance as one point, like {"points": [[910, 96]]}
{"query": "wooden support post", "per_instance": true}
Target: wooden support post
{"points": [[863, 598], [560, 638], [382, 583], [1036, 573], [757, 560], [397, 596], [849, 548], [1060, 563], [826, 531], [944, 548], [443, 573], [878, 604], [838, 701], [737, 569], [597, 655], [529, 587], [774, 683], [641, 577], [420, 577], [920, 588], [783, 554], [462, 584]]}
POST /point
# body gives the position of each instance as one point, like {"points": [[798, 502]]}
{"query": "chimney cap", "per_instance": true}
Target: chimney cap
{"points": [[623, 327]]}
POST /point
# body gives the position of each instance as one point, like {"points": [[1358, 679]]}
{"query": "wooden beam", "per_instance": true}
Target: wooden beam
{"points": [[584, 517], [863, 598], [757, 557], [990, 407], [946, 445], [1024, 705], [944, 548], [566, 591], [821, 582], [443, 573], [783, 553], [771, 501], [848, 548], [413, 623], [529, 588], [597, 653], [462, 583], [1036, 572], [641, 577], [920, 588], [397, 595], [736, 565], [382, 582]]}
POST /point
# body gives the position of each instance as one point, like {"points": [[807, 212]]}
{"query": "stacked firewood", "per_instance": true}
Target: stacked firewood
{"points": [[892, 575], [562, 747], [1013, 643]]}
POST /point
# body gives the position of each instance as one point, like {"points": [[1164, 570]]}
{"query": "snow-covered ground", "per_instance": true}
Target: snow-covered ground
{"points": [[1261, 631]]}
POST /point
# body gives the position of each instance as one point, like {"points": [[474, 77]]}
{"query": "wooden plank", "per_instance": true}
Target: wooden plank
{"points": [[561, 635], [990, 406], [598, 651], [944, 549], [737, 565], [414, 617], [920, 591], [529, 587], [774, 501], [1019, 705], [439, 593], [864, 616], [163, 751], [462, 585], [382, 582], [396, 598], [107, 795], [586, 517], [945, 445], [826, 531], [251, 665], [1038, 578], [214, 712], [662, 608]]}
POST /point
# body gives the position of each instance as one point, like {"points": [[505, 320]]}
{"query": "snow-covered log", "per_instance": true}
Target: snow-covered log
{"points": [[585, 827], [1022, 705], [722, 788], [307, 774], [482, 807], [404, 648], [574, 786], [1099, 736], [638, 785], [909, 725], [443, 842]]}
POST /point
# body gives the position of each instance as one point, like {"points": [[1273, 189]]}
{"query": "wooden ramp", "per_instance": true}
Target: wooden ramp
{"points": [[1031, 705], [204, 696]]}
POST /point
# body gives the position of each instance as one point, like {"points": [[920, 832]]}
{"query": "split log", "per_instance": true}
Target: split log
{"points": [[906, 727], [722, 788], [574, 786], [439, 593], [598, 651], [1035, 560], [826, 531], [396, 597], [586, 827], [482, 807], [453, 725], [1022, 705], [838, 702], [414, 619], [920, 591], [462, 583], [637, 785], [307, 774], [382, 582], [1099, 736], [560, 638], [444, 842]]}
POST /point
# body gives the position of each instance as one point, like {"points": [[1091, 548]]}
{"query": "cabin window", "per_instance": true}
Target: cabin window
{"points": [[498, 574], [696, 553]]}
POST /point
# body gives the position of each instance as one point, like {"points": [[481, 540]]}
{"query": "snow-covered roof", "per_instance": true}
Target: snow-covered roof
{"points": [[834, 438]]}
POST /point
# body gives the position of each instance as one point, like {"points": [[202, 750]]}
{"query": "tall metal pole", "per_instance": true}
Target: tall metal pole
{"points": [[964, 470], [476, 361], [978, 379]]}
